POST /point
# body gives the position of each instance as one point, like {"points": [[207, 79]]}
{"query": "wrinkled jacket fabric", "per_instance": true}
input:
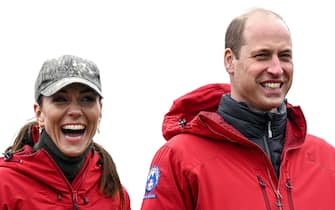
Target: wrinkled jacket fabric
{"points": [[34, 181], [206, 164]]}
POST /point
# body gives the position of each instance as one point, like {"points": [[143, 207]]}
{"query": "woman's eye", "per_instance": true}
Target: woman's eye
{"points": [[59, 99], [88, 99]]}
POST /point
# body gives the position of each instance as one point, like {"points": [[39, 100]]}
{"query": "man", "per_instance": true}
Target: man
{"points": [[243, 146]]}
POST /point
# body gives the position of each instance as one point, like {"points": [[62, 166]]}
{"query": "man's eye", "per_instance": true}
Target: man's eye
{"points": [[261, 56], [286, 56]]}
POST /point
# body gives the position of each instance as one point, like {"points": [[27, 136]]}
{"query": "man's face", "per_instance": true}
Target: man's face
{"points": [[262, 75]]}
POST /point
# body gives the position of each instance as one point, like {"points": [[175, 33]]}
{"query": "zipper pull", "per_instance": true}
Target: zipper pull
{"points": [[269, 129], [261, 182], [288, 185], [75, 200], [289, 188], [279, 204], [265, 196]]}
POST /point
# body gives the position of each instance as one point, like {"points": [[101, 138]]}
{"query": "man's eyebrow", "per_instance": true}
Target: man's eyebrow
{"points": [[260, 50], [286, 51]]}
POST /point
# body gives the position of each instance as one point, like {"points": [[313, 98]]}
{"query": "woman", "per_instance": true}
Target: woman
{"points": [[54, 162]]}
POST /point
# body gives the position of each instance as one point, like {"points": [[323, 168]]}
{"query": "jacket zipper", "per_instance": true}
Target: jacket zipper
{"points": [[276, 191], [74, 192], [265, 196], [279, 203], [289, 194]]}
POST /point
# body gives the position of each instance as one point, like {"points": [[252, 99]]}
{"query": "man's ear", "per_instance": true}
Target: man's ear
{"points": [[229, 60], [39, 115]]}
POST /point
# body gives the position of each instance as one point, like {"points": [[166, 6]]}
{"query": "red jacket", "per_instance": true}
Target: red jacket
{"points": [[33, 181], [208, 165]]}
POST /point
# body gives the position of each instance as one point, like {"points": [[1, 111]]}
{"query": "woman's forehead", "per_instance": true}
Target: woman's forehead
{"points": [[77, 87]]}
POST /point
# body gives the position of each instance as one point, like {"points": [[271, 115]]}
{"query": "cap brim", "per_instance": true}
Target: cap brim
{"points": [[55, 87]]}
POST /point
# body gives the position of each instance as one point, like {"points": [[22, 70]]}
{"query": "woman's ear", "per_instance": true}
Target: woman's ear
{"points": [[38, 114]]}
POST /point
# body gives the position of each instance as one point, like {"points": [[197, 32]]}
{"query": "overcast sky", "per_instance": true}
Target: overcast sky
{"points": [[149, 53]]}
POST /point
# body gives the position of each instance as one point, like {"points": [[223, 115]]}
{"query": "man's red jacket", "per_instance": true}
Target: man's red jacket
{"points": [[207, 164]]}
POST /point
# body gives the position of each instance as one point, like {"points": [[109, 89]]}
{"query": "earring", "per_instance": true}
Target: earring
{"points": [[98, 126]]}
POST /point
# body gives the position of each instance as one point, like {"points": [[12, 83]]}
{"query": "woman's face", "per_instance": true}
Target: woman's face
{"points": [[70, 117]]}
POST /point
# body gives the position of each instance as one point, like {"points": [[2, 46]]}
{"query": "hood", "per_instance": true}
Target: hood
{"points": [[187, 107], [196, 113]]}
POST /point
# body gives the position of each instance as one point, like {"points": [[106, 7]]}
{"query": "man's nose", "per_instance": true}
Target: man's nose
{"points": [[275, 66]]}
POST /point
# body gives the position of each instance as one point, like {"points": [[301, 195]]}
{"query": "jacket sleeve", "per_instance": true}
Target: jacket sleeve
{"points": [[8, 197], [167, 185]]}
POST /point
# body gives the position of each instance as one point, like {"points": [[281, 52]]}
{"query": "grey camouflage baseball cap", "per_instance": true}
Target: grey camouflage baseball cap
{"points": [[58, 73]]}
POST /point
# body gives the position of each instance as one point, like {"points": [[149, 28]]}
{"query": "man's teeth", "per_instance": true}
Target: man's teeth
{"points": [[73, 127], [272, 85]]}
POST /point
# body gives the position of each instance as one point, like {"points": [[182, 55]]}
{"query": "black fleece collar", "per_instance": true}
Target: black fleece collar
{"points": [[251, 123]]}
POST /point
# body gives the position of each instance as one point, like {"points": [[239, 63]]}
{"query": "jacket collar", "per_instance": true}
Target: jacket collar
{"points": [[196, 113]]}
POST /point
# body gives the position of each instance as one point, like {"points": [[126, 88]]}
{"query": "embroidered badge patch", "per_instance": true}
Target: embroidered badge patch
{"points": [[152, 181]]}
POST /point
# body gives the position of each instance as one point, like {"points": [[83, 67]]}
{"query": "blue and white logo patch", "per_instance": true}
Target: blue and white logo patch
{"points": [[152, 179]]}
